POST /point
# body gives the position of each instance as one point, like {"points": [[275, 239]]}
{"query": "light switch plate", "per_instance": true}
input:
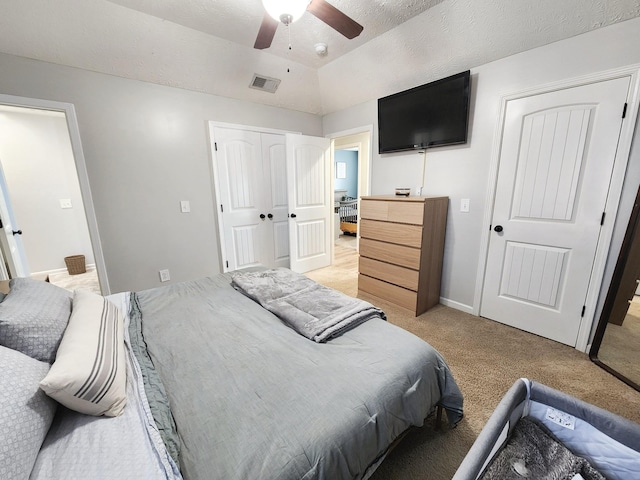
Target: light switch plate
{"points": [[65, 203], [164, 275], [464, 205], [185, 206]]}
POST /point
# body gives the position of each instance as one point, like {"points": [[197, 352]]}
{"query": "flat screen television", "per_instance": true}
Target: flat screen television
{"points": [[431, 115]]}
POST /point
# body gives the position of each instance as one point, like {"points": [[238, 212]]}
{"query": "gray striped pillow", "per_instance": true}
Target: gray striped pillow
{"points": [[89, 374]]}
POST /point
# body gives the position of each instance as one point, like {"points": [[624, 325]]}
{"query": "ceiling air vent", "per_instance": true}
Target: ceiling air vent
{"points": [[264, 83]]}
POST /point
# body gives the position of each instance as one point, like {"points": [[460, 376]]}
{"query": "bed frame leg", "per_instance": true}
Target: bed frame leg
{"points": [[438, 417]]}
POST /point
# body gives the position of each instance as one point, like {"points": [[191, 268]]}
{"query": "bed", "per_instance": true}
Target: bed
{"points": [[348, 212], [219, 387], [539, 432]]}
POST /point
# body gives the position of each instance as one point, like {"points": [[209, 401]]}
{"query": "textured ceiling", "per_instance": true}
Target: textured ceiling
{"points": [[206, 45], [239, 21]]}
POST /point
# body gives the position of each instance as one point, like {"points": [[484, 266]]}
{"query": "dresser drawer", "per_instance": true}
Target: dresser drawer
{"points": [[387, 252], [393, 211], [401, 234], [392, 293], [390, 273]]}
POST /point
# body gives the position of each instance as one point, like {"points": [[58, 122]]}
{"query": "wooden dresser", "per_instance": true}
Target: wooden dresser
{"points": [[401, 249]]}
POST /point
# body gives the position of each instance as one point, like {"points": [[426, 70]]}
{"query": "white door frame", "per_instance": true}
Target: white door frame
{"points": [[215, 181], [615, 188], [81, 168]]}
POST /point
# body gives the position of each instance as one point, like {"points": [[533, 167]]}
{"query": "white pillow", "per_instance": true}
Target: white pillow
{"points": [[89, 373]]}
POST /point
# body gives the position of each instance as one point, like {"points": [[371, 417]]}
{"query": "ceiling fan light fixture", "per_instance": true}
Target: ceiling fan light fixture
{"points": [[285, 11]]}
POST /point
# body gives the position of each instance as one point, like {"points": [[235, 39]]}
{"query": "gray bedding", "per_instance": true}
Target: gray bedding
{"points": [[313, 310], [127, 447], [253, 399]]}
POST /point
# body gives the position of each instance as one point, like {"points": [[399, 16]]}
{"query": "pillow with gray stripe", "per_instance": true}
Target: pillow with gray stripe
{"points": [[89, 374], [33, 317]]}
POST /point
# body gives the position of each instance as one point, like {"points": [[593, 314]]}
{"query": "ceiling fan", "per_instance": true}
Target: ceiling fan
{"points": [[287, 12]]}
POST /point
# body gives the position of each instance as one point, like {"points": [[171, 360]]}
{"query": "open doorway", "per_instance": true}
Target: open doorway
{"points": [[46, 209], [346, 196], [351, 181]]}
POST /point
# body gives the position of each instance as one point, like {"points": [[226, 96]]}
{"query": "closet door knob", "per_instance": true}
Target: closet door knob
{"points": [[293, 215], [262, 216], [17, 232], [270, 216], [498, 228]]}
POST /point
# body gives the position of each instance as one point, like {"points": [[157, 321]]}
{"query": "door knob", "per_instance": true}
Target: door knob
{"points": [[270, 216], [262, 216], [498, 228], [17, 232], [293, 215]]}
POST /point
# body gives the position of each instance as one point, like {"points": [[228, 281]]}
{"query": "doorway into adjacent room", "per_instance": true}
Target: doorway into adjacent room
{"points": [[346, 198], [352, 157], [43, 205]]}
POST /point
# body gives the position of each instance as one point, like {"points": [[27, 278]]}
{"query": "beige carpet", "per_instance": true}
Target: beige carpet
{"points": [[486, 358]]}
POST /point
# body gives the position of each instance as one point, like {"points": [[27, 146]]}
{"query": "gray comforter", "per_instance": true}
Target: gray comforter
{"points": [[253, 399], [313, 310]]}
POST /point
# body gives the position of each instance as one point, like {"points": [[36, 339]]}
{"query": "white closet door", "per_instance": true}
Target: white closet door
{"points": [[239, 168], [310, 202], [275, 179]]}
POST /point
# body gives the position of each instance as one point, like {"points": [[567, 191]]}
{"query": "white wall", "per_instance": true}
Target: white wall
{"points": [[146, 148], [39, 168], [463, 171]]}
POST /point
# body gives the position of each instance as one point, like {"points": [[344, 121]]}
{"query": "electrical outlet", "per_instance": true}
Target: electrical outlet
{"points": [[185, 206], [464, 205], [164, 275]]}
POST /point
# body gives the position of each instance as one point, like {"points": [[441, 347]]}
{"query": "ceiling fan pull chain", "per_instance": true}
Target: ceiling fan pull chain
{"points": [[289, 34]]}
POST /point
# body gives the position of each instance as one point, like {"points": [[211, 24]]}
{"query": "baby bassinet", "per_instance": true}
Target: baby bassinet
{"points": [[610, 443]]}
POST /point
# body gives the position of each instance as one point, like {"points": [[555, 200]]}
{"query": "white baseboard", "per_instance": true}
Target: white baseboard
{"points": [[456, 305], [45, 273]]}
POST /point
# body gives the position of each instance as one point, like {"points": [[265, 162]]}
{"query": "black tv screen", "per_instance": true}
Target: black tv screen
{"points": [[431, 115]]}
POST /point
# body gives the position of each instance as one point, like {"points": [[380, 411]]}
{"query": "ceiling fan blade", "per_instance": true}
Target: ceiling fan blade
{"points": [[266, 32], [335, 18]]}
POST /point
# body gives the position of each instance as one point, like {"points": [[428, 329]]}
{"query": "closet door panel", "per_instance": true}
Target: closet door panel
{"points": [[275, 179], [239, 165]]}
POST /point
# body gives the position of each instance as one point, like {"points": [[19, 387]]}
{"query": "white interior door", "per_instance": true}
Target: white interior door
{"points": [[556, 160], [239, 169], [310, 202], [12, 248], [275, 175]]}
